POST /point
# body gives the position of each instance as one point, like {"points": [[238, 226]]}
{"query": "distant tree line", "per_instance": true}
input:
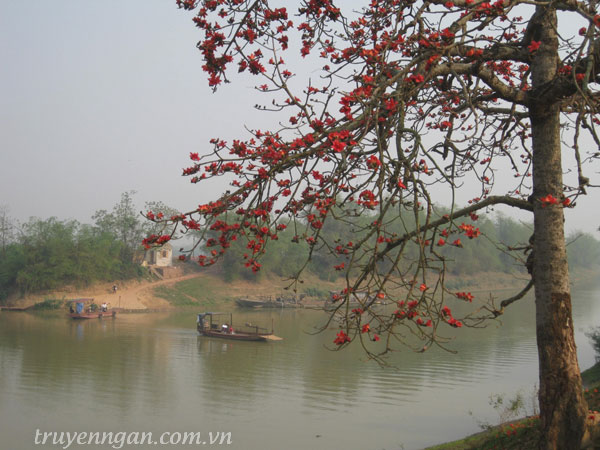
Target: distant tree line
{"points": [[463, 257], [45, 254]]}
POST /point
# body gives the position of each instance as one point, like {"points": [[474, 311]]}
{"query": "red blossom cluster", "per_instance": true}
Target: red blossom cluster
{"points": [[470, 231], [155, 240], [447, 316], [341, 338], [548, 200], [465, 296], [349, 141]]}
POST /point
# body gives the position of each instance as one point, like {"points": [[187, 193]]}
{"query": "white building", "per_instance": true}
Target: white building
{"points": [[159, 256]]}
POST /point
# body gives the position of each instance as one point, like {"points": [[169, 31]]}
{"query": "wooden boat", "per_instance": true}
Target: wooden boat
{"points": [[16, 308], [220, 325], [81, 312], [279, 302], [252, 303], [93, 315]]}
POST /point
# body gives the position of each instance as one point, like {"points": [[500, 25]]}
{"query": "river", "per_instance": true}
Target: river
{"points": [[153, 373]]}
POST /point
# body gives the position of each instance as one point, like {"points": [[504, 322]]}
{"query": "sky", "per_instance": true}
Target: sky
{"points": [[102, 97]]}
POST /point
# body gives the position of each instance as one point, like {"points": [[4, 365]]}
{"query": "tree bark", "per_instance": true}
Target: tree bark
{"points": [[562, 405]]}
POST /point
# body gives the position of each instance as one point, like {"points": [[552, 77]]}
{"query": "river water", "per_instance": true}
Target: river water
{"points": [[152, 372]]}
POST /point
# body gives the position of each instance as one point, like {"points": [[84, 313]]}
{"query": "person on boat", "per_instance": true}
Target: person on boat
{"points": [[71, 310], [104, 307], [225, 328]]}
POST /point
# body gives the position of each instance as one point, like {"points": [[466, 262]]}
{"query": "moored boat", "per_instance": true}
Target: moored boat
{"points": [[93, 315], [92, 311], [220, 325], [279, 302], [252, 303]]}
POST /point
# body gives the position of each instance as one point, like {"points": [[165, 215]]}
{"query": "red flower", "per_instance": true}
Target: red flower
{"points": [[465, 295], [401, 185], [214, 80], [375, 337], [441, 242], [365, 329], [454, 323], [548, 200], [338, 146], [423, 287], [533, 46], [457, 243], [373, 162], [341, 338], [470, 231], [391, 104]]}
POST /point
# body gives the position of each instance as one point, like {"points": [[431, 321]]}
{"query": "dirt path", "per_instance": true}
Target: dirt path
{"points": [[138, 295], [130, 294]]}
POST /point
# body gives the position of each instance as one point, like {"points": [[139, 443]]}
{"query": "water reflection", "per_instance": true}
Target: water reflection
{"points": [[154, 373]]}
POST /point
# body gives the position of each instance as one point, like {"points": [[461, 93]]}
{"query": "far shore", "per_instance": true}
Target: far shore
{"points": [[138, 295]]}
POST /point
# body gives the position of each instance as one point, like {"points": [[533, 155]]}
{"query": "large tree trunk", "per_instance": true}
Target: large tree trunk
{"points": [[562, 405]]}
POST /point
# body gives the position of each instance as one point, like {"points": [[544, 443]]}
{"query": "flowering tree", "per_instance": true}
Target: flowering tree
{"points": [[408, 99]]}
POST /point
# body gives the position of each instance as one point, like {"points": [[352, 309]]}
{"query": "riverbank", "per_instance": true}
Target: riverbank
{"points": [[203, 289], [207, 289], [522, 434]]}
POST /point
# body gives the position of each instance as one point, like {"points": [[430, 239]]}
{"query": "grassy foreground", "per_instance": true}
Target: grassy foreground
{"points": [[522, 434]]}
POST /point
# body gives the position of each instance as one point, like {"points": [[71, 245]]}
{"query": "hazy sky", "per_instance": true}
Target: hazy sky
{"points": [[102, 97]]}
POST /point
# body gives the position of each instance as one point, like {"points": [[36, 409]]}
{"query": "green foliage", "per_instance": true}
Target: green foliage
{"points": [[499, 248], [149, 227], [53, 253], [48, 305], [591, 376], [317, 292], [283, 257], [594, 337], [10, 264], [124, 221], [583, 250]]}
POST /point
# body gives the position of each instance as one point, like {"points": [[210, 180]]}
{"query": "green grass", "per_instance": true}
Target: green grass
{"points": [[201, 291], [174, 296]]}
